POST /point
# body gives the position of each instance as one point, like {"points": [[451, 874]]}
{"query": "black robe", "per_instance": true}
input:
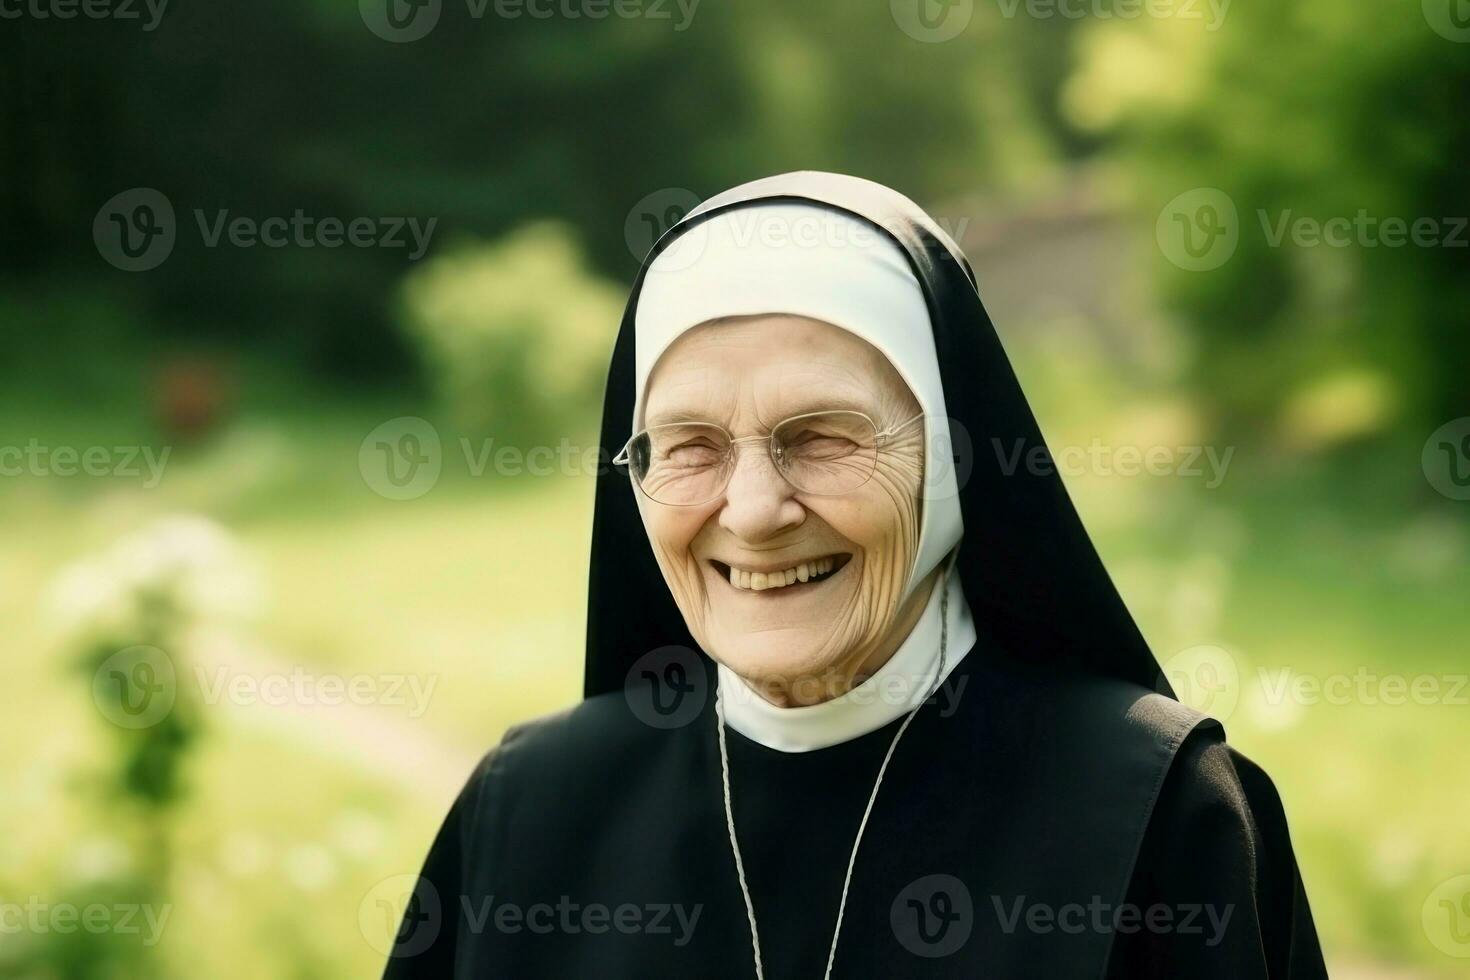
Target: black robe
{"points": [[1053, 812], [1028, 826]]}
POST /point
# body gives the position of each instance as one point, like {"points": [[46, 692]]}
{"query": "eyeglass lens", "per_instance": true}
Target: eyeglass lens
{"points": [[691, 462]]}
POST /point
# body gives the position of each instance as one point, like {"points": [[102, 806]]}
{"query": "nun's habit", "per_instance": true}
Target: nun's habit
{"points": [[1050, 811]]}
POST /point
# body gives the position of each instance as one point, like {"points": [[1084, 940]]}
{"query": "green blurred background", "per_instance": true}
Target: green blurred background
{"points": [[1136, 187]]}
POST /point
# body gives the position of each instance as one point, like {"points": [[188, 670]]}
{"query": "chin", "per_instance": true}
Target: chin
{"points": [[795, 662]]}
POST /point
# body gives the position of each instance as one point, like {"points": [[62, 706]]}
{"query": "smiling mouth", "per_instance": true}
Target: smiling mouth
{"points": [[795, 578]]}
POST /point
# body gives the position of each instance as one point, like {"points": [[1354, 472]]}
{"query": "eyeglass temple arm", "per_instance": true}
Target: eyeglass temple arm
{"points": [[888, 433]]}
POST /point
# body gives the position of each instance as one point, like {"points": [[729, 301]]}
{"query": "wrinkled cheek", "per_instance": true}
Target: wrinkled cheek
{"points": [[681, 574], [891, 554], [680, 569]]}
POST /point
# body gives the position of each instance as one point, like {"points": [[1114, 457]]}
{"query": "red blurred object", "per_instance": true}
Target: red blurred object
{"points": [[192, 396]]}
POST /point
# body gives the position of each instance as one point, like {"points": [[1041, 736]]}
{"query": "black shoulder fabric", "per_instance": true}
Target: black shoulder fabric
{"points": [[1029, 791], [1218, 857], [1033, 579]]}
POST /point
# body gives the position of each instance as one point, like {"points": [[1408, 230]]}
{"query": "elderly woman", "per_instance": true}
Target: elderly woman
{"points": [[861, 700]]}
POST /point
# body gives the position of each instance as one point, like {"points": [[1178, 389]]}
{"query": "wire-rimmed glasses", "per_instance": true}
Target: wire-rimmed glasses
{"points": [[684, 464]]}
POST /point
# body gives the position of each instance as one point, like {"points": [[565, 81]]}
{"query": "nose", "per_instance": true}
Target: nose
{"points": [[759, 503]]}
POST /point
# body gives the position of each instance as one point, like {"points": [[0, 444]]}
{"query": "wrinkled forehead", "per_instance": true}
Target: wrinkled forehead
{"points": [[771, 367]]}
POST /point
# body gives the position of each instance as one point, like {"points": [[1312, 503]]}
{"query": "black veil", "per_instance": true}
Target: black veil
{"points": [[1033, 579]]}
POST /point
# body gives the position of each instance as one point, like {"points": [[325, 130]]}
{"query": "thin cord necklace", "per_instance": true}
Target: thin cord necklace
{"points": [[755, 940]]}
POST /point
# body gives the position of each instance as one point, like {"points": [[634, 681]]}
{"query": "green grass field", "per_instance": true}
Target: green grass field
{"points": [[296, 818]]}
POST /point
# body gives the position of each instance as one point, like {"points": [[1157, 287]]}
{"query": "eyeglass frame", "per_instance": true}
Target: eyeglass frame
{"points": [[881, 436]]}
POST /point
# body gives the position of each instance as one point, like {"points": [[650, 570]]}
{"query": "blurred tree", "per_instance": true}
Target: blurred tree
{"points": [[489, 121], [1311, 110], [515, 335]]}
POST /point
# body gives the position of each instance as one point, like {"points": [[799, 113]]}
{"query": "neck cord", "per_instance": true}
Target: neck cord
{"points": [[755, 941]]}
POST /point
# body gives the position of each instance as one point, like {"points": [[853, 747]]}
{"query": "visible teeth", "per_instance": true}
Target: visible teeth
{"points": [[761, 581]]}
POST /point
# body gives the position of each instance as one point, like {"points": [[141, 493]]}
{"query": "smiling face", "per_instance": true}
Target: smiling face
{"points": [[798, 593]]}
